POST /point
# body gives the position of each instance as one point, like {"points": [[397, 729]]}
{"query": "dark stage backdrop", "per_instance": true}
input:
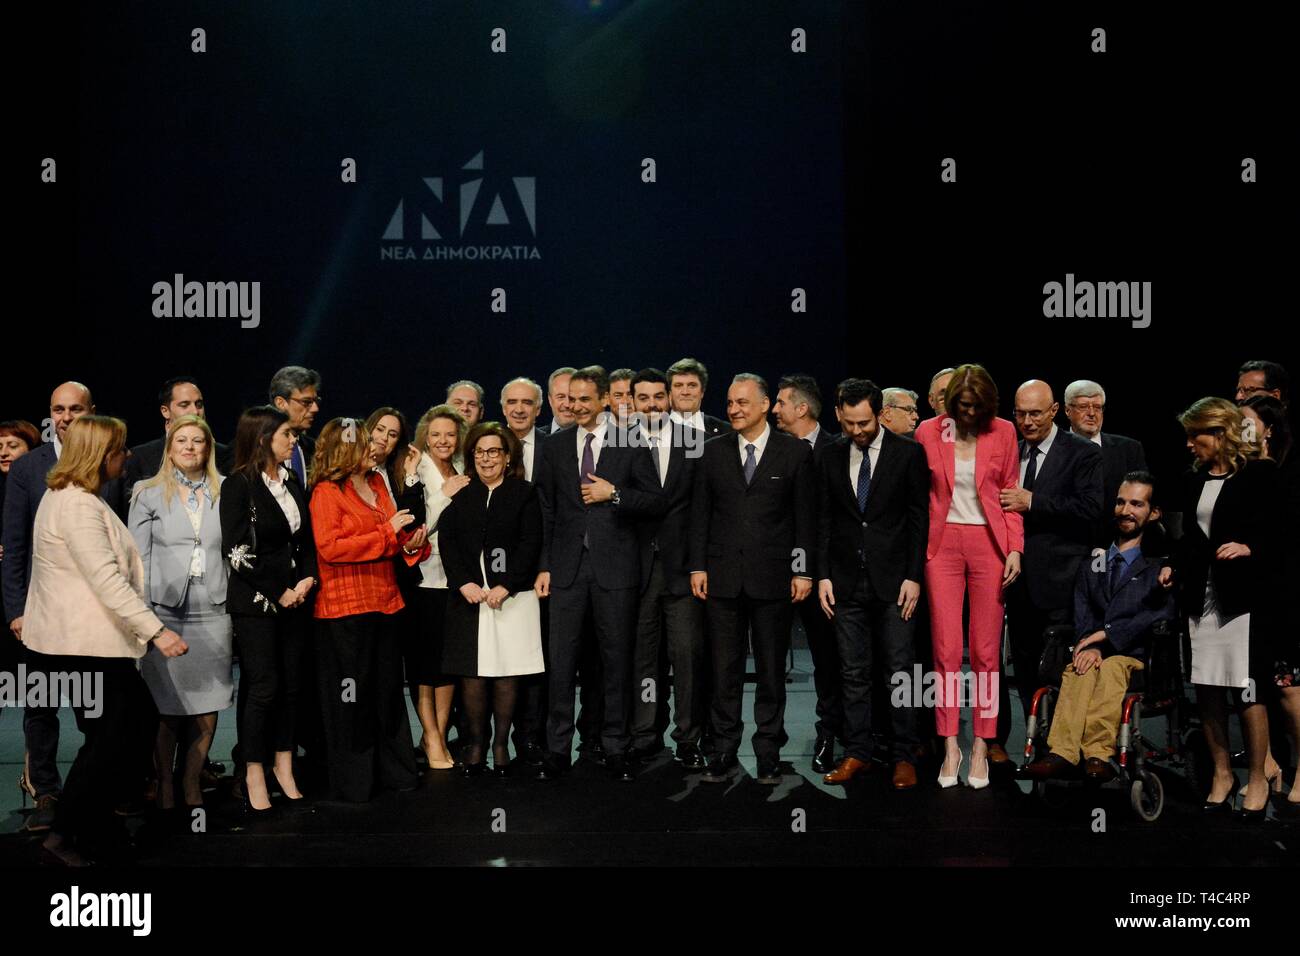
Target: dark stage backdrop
{"points": [[775, 170]]}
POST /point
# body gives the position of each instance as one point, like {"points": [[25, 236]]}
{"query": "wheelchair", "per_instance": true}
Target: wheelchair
{"points": [[1156, 691]]}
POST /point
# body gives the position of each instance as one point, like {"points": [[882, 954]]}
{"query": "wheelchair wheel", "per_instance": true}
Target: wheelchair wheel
{"points": [[1147, 796]]}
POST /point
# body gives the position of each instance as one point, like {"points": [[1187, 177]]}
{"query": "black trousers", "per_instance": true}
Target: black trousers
{"points": [[874, 644], [614, 614], [530, 704], [271, 681], [119, 730], [367, 734], [733, 624], [677, 621], [1025, 626], [824, 647]]}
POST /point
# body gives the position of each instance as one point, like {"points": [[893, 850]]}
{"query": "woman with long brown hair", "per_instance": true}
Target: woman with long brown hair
{"points": [[359, 531]]}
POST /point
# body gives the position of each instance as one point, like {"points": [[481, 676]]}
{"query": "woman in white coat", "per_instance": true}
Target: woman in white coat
{"points": [[87, 623]]}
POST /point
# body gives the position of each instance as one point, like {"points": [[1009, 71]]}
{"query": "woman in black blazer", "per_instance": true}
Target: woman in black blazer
{"points": [[267, 540], [490, 540], [1226, 568]]}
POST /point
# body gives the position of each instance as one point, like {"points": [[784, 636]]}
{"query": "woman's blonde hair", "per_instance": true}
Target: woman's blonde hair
{"points": [[421, 439], [1220, 417], [89, 441], [166, 477], [342, 445]]}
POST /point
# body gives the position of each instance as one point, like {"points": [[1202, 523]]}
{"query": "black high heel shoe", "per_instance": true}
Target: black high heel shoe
{"points": [[1224, 805], [474, 769]]}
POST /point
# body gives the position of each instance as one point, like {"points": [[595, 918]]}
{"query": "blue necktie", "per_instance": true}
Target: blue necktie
{"points": [[1116, 572], [751, 465], [864, 481], [298, 468]]}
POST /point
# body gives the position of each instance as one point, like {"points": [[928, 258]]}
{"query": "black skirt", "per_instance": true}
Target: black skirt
{"points": [[422, 637]]}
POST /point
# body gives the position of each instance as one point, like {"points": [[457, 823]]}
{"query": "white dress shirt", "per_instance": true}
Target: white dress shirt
{"points": [[695, 421], [529, 443], [282, 497], [1043, 447], [811, 439]]}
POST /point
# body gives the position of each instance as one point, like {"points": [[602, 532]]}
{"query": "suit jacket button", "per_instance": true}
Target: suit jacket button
{"points": [[864, 524]]}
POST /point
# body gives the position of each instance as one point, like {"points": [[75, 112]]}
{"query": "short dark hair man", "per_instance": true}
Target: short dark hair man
{"points": [[1117, 601]]}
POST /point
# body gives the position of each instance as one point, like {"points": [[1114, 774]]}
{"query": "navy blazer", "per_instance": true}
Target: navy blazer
{"points": [[754, 538], [889, 542], [1128, 615], [669, 534], [610, 530], [165, 538], [23, 493], [1061, 522]]}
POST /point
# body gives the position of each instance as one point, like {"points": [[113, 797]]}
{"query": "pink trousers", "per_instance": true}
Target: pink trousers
{"points": [[968, 561]]}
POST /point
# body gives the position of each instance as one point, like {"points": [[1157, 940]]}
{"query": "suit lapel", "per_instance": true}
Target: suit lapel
{"points": [[766, 463]]}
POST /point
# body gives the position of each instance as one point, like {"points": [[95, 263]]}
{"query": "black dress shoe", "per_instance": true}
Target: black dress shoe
{"points": [[214, 768], [532, 754], [553, 767], [474, 769], [824, 755], [769, 771], [592, 752], [646, 753], [619, 768], [720, 768], [690, 757]]}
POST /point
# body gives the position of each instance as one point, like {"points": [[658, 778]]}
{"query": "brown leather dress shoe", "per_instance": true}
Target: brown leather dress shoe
{"points": [[904, 775], [849, 768], [1045, 768], [1097, 770], [998, 755]]}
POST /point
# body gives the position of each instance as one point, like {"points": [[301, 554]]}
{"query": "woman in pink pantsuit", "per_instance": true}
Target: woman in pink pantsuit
{"points": [[974, 547]]}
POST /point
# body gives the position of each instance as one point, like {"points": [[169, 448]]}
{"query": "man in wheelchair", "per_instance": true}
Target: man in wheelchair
{"points": [[1117, 603]]}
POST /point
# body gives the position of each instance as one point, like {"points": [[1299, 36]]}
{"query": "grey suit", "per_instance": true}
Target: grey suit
{"points": [[199, 682]]}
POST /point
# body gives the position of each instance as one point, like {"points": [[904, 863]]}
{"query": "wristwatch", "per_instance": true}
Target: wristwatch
{"points": [[613, 497]]}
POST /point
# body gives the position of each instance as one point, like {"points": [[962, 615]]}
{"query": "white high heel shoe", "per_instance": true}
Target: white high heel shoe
{"points": [[978, 783], [947, 782]]}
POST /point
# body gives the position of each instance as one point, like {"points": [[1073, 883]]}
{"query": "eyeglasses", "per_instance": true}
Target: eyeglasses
{"points": [[1087, 406], [1031, 415], [1249, 390], [307, 402], [907, 409], [490, 453]]}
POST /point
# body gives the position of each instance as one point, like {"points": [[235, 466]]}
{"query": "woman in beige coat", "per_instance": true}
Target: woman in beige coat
{"points": [[87, 624]]}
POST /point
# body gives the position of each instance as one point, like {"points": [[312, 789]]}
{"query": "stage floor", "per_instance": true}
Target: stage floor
{"points": [[667, 817]]}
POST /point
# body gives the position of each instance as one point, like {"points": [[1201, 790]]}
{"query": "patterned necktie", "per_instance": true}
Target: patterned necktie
{"points": [[588, 460], [1032, 470], [864, 481], [751, 465]]}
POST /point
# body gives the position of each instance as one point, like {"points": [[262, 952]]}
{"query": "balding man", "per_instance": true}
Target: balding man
{"points": [[938, 388], [467, 398], [23, 493], [1060, 498], [1085, 407], [900, 413]]}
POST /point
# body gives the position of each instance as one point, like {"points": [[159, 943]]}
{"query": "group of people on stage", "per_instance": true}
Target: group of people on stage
{"points": [[641, 549]]}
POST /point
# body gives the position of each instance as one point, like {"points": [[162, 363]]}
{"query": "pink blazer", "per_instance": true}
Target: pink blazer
{"points": [[997, 466]]}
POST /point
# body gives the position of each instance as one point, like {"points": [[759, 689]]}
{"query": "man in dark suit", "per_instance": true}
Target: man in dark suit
{"points": [[178, 397], [687, 381], [1085, 407], [797, 412], [23, 492], [752, 535], [668, 613], [595, 481], [873, 525], [521, 404], [1117, 601], [296, 392], [1060, 498], [900, 412]]}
